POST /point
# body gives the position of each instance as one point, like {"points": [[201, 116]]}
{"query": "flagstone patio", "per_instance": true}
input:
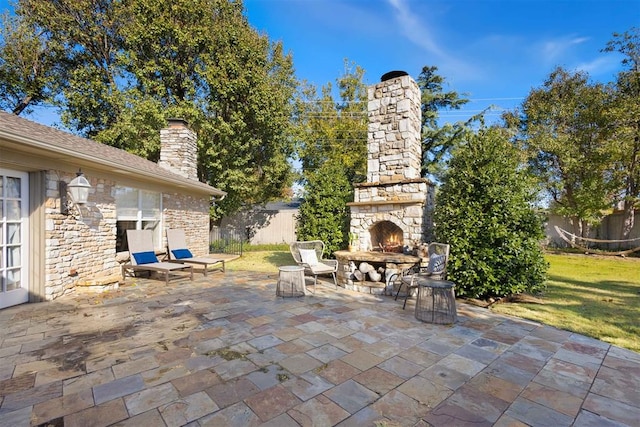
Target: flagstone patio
{"points": [[223, 350]]}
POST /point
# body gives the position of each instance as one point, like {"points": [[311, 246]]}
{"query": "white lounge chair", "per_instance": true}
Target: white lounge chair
{"points": [[178, 252], [142, 256]]}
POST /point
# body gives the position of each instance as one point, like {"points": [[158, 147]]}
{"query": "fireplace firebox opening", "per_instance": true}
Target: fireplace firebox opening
{"points": [[386, 237]]}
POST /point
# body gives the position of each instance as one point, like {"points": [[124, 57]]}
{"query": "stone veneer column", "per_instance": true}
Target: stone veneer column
{"points": [[394, 146], [179, 149]]}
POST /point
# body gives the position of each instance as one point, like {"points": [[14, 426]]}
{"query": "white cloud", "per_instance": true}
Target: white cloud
{"points": [[602, 65], [413, 29], [419, 33], [553, 50]]}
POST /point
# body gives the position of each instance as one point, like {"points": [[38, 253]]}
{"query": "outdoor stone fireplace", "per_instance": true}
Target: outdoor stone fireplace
{"points": [[392, 210], [387, 237], [394, 206]]}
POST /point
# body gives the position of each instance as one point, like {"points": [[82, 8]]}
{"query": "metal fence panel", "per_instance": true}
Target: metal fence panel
{"points": [[225, 240]]}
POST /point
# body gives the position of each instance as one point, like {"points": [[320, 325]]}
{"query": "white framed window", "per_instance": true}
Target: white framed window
{"points": [[137, 210]]}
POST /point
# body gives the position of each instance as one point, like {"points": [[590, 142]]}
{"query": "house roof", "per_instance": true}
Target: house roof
{"points": [[25, 135], [283, 205]]}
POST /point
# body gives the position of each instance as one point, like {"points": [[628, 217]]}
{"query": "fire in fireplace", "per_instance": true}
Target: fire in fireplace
{"points": [[386, 237]]}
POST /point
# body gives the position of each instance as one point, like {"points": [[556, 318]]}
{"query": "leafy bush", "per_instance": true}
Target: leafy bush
{"points": [[485, 211], [324, 214]]}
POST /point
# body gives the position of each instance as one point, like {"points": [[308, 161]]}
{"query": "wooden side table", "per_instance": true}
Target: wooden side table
{"points": [[436, 301], [291, 281]]}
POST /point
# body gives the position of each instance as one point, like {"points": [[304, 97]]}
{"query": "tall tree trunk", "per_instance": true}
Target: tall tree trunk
{"points": [[576, 224], [628, 220]]}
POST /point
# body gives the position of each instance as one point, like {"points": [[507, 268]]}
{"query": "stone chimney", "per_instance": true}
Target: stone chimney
{"points": [[394, 129], [179, 149], [392, 210]]}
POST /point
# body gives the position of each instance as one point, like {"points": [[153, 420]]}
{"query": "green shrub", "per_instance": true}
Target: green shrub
{"points": [[324, 214], [485, 211]]}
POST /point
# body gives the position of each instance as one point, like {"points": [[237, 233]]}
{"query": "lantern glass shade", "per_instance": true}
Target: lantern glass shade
{"points": [[79, 189]]}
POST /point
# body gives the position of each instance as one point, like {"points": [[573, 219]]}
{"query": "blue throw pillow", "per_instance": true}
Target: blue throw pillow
{"points": [[145, 257], [182, 253]]}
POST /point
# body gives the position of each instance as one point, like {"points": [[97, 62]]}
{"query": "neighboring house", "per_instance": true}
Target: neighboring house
{"points": [[45, 253], [272, 223]]}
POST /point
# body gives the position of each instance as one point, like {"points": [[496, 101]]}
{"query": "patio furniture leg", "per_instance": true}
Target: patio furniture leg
{"points": [[398, 293]]}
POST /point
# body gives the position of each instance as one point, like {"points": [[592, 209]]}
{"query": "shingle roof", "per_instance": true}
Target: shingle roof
{"points": [[29, 134]]}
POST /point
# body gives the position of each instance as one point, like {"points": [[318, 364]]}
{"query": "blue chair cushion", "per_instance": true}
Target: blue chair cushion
{"points": [[145, 257], [436, 263], [182, 253]]}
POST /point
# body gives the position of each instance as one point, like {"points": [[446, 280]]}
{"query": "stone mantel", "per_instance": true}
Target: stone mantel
{"points": [[377, 256], [388, 202], [392, 183]]}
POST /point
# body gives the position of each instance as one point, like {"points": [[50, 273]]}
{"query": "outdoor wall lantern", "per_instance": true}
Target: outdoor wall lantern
{"points": [[78, 189]]}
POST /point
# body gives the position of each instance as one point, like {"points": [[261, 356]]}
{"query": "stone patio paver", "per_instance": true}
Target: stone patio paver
{"points": [[319, 411], [225, 351]]}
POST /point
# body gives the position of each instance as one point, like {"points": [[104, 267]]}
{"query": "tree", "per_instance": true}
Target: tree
{"points": [[485, 211], [26, 66], [437, 140], [335, 130], [569, 141], [624, 120], [324, 214], [131, 65]]}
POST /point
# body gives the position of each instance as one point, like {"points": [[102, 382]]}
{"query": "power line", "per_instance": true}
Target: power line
{"points": [[496, 99]]}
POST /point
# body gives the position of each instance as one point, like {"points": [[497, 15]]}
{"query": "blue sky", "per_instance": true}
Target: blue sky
{"points": [[494, 51]]}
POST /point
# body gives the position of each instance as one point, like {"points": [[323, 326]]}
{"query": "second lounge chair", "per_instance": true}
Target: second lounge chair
{"points": [[179, 253]]}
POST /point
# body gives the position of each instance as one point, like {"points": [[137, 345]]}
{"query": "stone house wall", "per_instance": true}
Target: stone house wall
{"points": [[80, 247], [191, 214]]}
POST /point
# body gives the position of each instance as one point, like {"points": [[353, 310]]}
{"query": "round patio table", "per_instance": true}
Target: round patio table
{"points": [[291, 281], [436, 301]]}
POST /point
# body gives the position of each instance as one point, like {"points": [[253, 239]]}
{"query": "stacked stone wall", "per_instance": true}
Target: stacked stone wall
{"points": [[394, 146], [179, 150], [80, 247], [415, 219], [191, 214], [394, 190], [414, 190]]}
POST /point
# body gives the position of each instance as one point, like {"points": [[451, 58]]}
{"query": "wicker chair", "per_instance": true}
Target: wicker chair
{"points": [[436, 269], [309, 255]]}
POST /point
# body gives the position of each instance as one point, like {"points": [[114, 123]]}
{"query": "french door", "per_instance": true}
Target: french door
{"points": [[14, 237]]}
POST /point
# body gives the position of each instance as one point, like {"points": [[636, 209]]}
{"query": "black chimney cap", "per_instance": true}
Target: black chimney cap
{"points": [[392, 75]]}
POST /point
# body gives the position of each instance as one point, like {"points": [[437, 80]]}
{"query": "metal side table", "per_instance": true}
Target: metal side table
{"points": [[291, 281], [436, 301]]}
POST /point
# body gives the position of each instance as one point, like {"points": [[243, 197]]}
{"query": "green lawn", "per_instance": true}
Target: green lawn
{"points": [[594, 296], [262, 261], [591, 295]]}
